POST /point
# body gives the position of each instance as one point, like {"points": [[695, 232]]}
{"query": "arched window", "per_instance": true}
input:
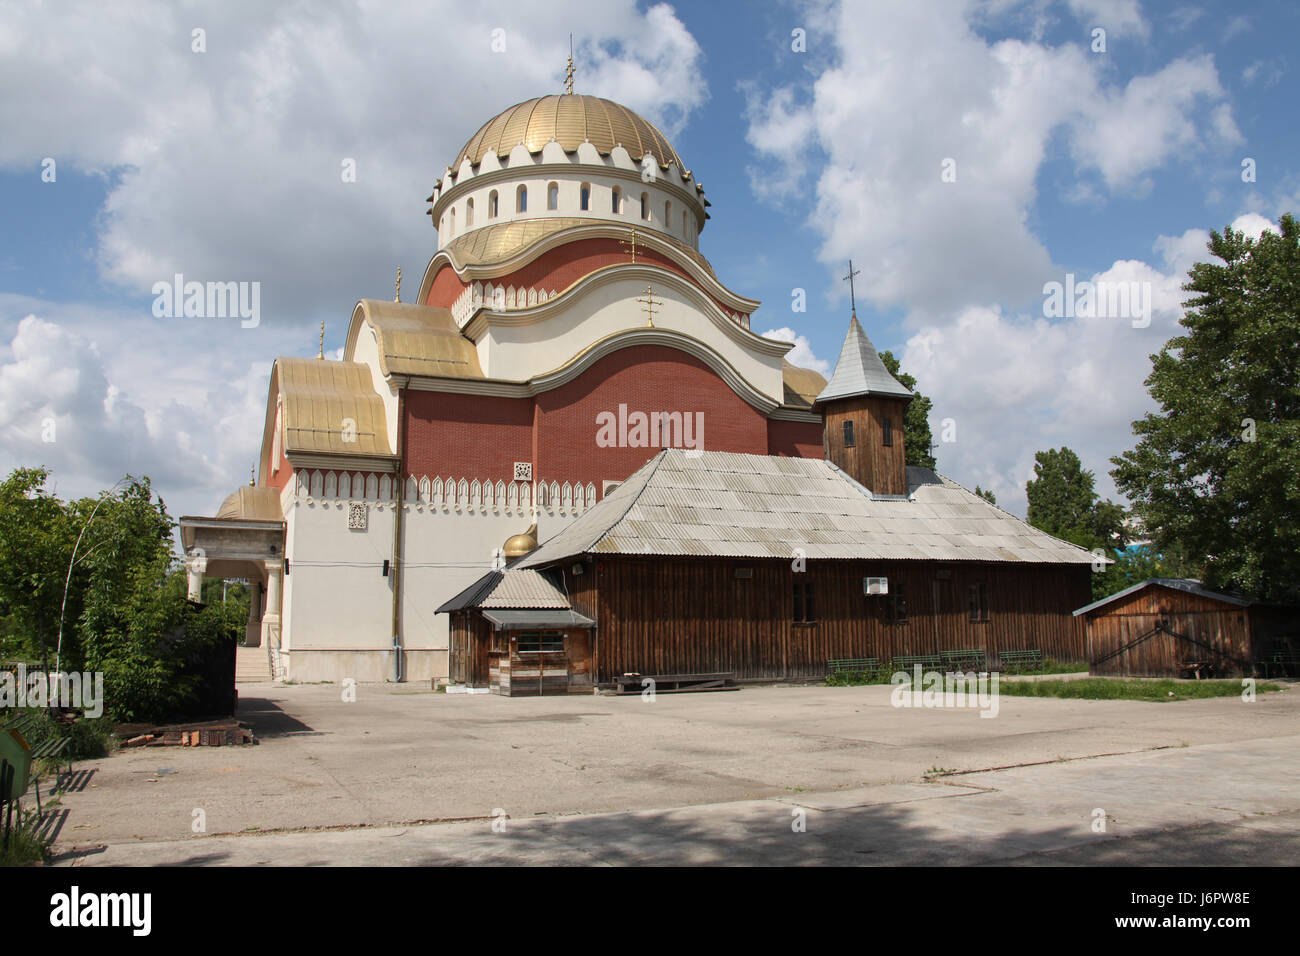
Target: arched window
{"points": [[585, 193], [521, 199], [492, 204], [668, 216], [616, 201], [469, 213], [645, 206], [553, 196], [685, 229], [453, 219]]}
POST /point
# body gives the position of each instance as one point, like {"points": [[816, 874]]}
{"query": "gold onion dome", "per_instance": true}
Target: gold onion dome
{"points": [[517, 545], [571, 120]]}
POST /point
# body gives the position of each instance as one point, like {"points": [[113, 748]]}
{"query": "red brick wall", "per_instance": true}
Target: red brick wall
{"points": [[647, 378], [481, 437], [795, 439], [467, 436]]}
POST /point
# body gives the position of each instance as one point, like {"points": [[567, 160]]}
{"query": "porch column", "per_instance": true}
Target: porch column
{"points": [[195, 566], [253, 629], [271, 617]]}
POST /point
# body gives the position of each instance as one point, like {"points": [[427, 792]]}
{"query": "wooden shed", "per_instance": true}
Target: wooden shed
{"points": [[1175, 627], [513, 633]]}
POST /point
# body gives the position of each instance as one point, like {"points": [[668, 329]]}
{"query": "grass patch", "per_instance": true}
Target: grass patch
{"points": [[26, 845], [1105, 688]]}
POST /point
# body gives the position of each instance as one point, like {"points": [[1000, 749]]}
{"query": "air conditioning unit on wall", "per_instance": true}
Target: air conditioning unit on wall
{"points": [[875, 586]]}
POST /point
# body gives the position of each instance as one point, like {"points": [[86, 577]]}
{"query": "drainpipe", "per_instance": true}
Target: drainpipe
{"points": [[399, 518]]}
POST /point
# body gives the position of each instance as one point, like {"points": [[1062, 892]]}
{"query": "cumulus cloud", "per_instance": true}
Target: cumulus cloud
{"points": [[802, 353], [1013, 384], [934, 138], [227, 164]]}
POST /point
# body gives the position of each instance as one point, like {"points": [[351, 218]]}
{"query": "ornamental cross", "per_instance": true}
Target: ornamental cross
{"points": [[568, 72], [650, 303], [630, 244], [853, 304]]}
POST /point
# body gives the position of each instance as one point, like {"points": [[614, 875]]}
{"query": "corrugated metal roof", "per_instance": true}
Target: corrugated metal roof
{"points": [[1188, 585], [860, 370], [511, 588], [795, 503]]}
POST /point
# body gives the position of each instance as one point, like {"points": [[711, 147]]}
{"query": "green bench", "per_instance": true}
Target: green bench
{"points": [[45, 744], [864, 665], [965, 660], [1031, 660], [927, 662], [1288, 662]]}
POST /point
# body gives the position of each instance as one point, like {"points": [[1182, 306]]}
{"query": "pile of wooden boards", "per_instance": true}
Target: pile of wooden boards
{"points": [[228, 733]]}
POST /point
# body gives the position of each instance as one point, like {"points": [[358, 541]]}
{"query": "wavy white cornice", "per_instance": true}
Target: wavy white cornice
{"points": [[596, 230], [607, 346], [486, 318]]}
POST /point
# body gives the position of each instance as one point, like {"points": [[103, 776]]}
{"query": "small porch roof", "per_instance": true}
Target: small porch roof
{"points": [[513, 618]]}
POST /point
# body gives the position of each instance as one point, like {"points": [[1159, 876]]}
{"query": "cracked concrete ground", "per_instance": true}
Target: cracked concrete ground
{"points": [[781, 775]]}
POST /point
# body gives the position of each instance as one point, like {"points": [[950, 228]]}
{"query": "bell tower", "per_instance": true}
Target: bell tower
{"points": [[862, 410]]}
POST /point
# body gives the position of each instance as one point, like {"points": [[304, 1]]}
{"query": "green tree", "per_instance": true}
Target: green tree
{"points": [[987, 494], [1061, 496], [126, 614], [36, 540], [1215, 473], [917, 438]]}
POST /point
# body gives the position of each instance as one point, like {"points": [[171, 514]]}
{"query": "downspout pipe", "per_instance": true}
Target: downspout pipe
{"points": [[399, 520]]}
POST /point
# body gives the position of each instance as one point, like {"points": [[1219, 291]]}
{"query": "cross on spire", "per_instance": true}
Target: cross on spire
{"points": [[849, 279], [568, 70]]}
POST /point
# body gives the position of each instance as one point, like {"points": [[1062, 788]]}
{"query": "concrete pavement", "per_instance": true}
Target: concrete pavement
{"points": [[698, 778]]}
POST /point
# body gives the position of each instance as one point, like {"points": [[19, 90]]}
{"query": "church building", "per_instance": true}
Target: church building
{"points": [[566, 331]]}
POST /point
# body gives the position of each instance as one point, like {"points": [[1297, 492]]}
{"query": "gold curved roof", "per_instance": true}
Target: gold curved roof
{"points": [[570, 119], [501, 241], [252, 504], [802, 385], [320, 397], [417, 340]]}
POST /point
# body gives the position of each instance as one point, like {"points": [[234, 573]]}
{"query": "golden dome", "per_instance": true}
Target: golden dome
{"points": [[517, 545], [570, 119]]}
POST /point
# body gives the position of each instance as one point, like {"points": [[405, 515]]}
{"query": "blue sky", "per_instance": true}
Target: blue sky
{"points": [[1109, 164]]}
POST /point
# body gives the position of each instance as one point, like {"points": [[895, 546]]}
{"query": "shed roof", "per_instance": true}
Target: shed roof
{"points": [[509, 588], [1187, 585], [723, 504]]}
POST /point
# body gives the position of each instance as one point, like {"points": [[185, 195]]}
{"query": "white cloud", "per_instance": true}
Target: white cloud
{"points": [[802, 353], [914, 87], [228, 163], [1017, 384], [1115, 16]]}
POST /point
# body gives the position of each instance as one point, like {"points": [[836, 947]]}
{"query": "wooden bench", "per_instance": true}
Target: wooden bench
{"points": [[675, 683], [927, 662], [964, 660], [1031, 660], [858, 665], [45, 744]]}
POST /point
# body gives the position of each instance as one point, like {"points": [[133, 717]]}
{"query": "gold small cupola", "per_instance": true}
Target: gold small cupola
{"points": [[517, 545]]}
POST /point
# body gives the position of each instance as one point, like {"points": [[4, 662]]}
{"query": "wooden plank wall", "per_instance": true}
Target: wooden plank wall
{"points": [[882, 468], [1219, 624], [662, 616]]}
